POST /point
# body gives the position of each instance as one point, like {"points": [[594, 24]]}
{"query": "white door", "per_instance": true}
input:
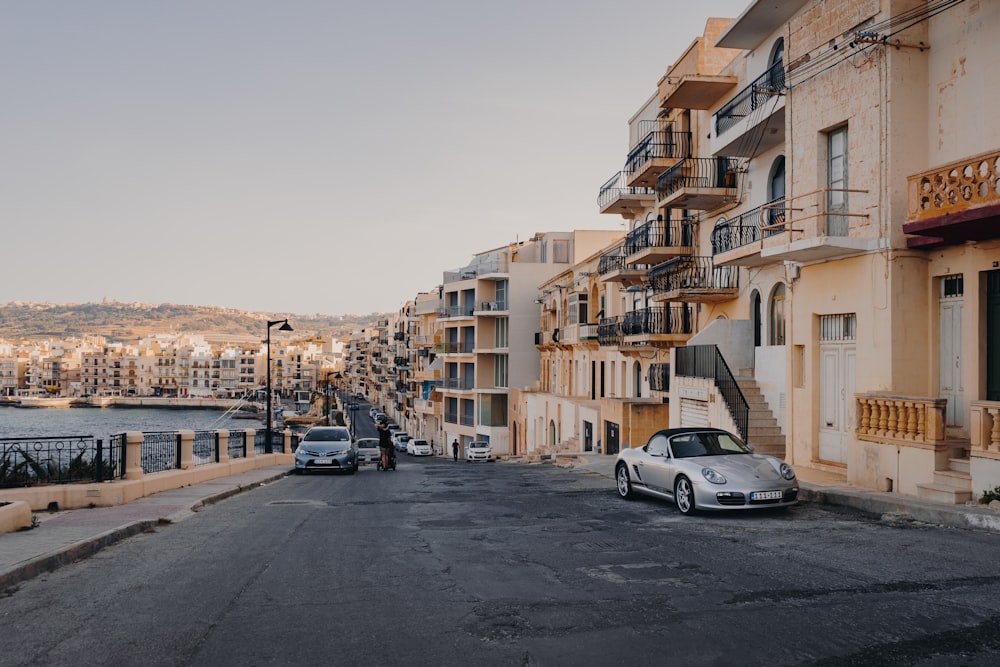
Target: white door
{"points": [[951, 362], [836, 398]]}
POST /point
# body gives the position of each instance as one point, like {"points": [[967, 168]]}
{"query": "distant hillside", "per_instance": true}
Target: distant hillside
{"points": [[128, 321]]}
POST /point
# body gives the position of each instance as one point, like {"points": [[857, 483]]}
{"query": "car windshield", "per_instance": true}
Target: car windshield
{"points": [[419, 443], [328, 435], [368, 443], [478, 445], [688, 445]]}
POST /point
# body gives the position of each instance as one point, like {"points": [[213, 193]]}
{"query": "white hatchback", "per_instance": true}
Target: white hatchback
{"points": [[418, 447], [478, 450]]}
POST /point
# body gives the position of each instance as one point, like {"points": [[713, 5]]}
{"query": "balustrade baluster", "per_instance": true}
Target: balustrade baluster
{"points": [[893, 407], [883, 416], [866, 415], [911, 420], [922, 422]]}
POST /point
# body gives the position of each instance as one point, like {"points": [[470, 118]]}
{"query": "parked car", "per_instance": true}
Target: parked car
{"points": [[478, 450], [368, 451], [418, 447], [327, 448], [399, 440], [705, 469]]}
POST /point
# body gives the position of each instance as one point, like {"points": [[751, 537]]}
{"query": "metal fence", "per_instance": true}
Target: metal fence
{"points": [[58, 460], [705, 361], [205, 448], [161, 451], [237, 444]]}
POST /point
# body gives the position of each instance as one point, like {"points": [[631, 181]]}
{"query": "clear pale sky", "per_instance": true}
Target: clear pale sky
{"points": [[309, 156]]}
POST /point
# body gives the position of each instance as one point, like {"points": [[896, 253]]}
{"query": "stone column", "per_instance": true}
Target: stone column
{"points": [[187, 449], [249, 436], [133, 455], [223, 446]]}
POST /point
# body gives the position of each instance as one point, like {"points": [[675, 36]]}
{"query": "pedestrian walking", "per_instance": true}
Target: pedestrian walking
{"points": [[454, 449]]}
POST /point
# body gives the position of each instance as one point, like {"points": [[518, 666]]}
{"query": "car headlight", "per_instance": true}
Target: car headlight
{"points": [[786, 471], [713, 476]]}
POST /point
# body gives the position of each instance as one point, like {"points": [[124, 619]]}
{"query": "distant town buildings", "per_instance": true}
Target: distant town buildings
{"points": [[174, 365]]}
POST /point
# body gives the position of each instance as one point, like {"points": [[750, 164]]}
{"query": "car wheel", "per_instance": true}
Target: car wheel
{"points": [[623, 482], [684, 495]]}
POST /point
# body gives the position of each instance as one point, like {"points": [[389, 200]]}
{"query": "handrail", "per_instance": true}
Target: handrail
{"points": [[744, 229], [692, 273], [781, 211], [699, 172], [615, 188], [706, 361], [660, 233], [764, 87]]}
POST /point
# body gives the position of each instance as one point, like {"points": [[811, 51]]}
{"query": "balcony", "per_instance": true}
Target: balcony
{"points": [[737, 240], [658, 324], [655, 241], [454, 312], [454, 347], [694, 91], [815, 226], [658, 150], [574, 334], [753, 121], [492, 308], [546, 338], [612, 268], [694, 280], [955, 203], [617, 197], [701, 184], [609, 332], [457, 384]]}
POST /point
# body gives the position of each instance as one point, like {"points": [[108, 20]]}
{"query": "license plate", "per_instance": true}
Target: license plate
{"points": [[322, 462], [766, 495]]}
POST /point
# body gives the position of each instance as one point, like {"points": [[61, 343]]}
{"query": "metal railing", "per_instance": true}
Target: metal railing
{"points": [[660, 234], [205, 447], [763, 88], [609, 331], [693, 273], [699, 172], [492, 306], [659, 377], [611, 261], [160, 451], [59, 460], [658, 320], [746, 227], [705, 361], [454, 347], [657, 144], [237, 444], [616, 188]]}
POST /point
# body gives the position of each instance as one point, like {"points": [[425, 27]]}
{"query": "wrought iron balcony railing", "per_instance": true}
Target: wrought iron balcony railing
{"points": [[659, 377], [660, 234], [611, 261], [746, 227], [658, 320], [687, 273], [764, 87], [657, 143], [698, 172], [609, 331], [616, 188]]}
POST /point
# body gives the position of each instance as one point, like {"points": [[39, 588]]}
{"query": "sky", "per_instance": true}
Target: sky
{"points": [[309, 156]]}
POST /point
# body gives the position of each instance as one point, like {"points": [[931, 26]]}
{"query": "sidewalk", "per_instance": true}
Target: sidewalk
{"points": [[63, 537]]}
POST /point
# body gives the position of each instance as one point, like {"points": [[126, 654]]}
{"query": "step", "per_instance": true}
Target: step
{"points": [[943, 494], [959, 465], [955, 480]]}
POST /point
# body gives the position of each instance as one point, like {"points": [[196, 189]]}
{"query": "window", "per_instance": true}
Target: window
{"points": [[560, 251], [500, 371], [836, 182], [776, 322], [578, 308], [501, 295], [838, 327], [501, 336]]}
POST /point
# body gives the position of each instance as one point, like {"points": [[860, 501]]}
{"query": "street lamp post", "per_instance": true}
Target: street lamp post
{"points": [[268, 446]]}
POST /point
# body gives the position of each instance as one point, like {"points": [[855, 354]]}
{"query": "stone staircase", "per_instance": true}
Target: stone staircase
{"points": [[952, 485], [763, 430]]}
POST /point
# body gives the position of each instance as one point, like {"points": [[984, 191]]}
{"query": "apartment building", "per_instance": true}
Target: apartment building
{"points": [[811, 204]]}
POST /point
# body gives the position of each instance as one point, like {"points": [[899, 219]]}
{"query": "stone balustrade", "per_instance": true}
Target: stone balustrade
{"points": [[903, 420], [959, 186], [985, 428]]}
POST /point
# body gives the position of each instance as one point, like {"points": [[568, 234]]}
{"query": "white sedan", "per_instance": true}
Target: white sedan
{"points": [[418, 447]]}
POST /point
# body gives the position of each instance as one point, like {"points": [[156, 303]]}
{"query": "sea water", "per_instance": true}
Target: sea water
{"points": [[102, 422]]}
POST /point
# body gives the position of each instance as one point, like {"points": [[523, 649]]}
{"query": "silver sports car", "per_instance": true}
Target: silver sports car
{"points": [[705, 469]]}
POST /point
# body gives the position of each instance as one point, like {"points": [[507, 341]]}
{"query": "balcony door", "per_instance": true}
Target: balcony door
{"points": [[836, 201], [951, 386]]}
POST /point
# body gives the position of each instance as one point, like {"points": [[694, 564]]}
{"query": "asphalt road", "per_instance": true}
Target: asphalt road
{"points": [[445, 563]]}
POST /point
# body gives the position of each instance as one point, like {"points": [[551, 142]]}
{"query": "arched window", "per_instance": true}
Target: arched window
{"points": [[637, 379], [552, 433], [776, 316], [776, 71]]}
